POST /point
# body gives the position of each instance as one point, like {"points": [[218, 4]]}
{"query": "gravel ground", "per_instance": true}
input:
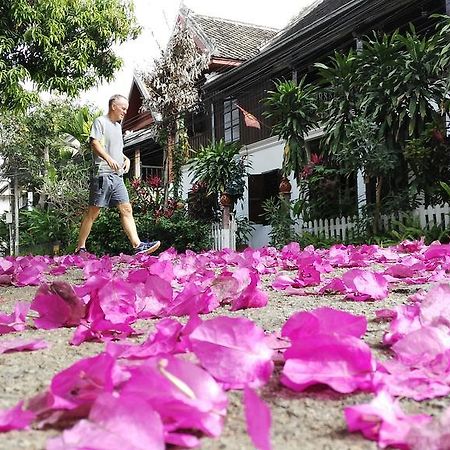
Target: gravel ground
{"points": [[312, 420]]}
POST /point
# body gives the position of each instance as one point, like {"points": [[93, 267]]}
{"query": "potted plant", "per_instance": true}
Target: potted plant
{"points": [[220, 167]]}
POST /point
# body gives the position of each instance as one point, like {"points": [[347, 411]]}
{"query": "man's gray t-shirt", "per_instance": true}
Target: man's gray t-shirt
{"points": [[109, 134]]}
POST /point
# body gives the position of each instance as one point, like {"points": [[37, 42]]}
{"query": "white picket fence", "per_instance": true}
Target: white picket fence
{"points": [[224, 237], [339, 227]]}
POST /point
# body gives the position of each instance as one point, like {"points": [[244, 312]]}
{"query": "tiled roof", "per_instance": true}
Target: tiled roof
{"points": [[317, 10], [230, 39]]}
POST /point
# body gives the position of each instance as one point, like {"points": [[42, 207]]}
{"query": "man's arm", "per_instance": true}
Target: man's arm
{"points": [[126, 164], [98, 149]]}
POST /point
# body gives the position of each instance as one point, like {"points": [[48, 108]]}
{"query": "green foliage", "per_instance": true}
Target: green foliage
{"points": [[365, 149], [294, 109], [244, 230], [169, 224], [446, 188], [107, 235], [178, 231], [278, 214], [4, 236], [59, 45], [220, 168], [325, 191], [318, 241], [411, 229], [42, 226], [339, 96]]}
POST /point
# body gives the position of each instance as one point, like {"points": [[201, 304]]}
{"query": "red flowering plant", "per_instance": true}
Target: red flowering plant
{"points": [[147, 197], [324, 190], [309, 167]]}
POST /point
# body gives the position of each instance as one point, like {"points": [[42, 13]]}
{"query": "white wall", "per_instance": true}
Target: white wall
{"points": [[264, 156]]}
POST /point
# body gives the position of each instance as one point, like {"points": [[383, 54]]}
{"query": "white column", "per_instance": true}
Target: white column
{"points": [[137, 163], [360, 191]]}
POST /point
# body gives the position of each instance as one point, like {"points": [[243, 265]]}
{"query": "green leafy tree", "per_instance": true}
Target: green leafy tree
{"points": [[63, 46], [294, 110], [338, 104]]}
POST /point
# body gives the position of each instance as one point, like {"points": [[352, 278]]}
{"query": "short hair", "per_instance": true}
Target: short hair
{"points": [[114, 98]]}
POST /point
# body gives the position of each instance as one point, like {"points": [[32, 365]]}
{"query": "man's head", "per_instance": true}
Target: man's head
{"points": [[117, 107]]}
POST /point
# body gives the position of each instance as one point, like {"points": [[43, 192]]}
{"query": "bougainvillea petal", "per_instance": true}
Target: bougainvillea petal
{"points": [[15, 418], [185, 395], [233, 350], [115, 423], [382, 420], [364, 285], [324, 320], [58, 305], [16, 321], [344, 363], [20, 345], [433, 436], [85, 380], [258, 419], [435, 307], [163, 341]]}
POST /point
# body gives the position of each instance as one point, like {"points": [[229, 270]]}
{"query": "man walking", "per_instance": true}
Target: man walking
{"points": [[107, 187]]}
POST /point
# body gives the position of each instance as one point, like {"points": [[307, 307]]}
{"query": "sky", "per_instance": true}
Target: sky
{"points": [[157, 19]]}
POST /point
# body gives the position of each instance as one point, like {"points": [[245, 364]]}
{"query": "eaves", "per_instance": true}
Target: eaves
{"points": [[294, 48]]}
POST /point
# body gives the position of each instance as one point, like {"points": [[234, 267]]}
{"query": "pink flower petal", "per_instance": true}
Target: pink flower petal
{"points": [[115, 423], [343, 362], [258, 419], [15, 418], [16, 321], [322, 321], [163, 341], [365, 285], [84, 381], [432, 436], [233, 350], [382, 420], [185, 395], [435, 308], [57, 305], [20, 345], [422, 345]]}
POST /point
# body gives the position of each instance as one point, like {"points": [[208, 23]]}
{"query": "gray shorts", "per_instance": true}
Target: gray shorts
{"points": [[108, 190]]}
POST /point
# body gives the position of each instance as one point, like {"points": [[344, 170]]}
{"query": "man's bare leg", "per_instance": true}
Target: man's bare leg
{"points": [[86, 226], [128, 223]]}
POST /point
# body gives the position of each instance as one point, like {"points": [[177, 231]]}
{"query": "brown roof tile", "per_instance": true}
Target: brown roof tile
{"points": [[230, 39]]}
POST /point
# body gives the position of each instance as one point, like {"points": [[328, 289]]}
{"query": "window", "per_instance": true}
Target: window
{"points": [[231, 123]]}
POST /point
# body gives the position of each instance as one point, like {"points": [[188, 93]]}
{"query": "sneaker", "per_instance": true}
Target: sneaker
{"points": [[147, 247], [80, 251]]}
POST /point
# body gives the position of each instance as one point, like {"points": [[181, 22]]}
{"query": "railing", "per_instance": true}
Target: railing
{"points": [[151, 171], [224, 237], [200, 140]]}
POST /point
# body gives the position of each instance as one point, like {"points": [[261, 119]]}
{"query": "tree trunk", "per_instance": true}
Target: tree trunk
{"points": [[43, 197], [168, 164], [377, 212]]}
